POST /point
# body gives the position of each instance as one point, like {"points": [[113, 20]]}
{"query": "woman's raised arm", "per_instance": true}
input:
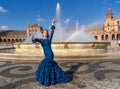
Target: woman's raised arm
{"points": [[52, 29], [52, 32]]}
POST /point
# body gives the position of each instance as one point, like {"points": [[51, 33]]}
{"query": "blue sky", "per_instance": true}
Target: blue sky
{"points": [[15, 14]]}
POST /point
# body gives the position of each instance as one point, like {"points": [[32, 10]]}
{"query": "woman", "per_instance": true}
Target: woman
{"points": [[48, 72]]}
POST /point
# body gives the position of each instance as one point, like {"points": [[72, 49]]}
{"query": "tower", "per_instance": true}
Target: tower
{"points": [[33, 29], [111, 26], [109, 14]]}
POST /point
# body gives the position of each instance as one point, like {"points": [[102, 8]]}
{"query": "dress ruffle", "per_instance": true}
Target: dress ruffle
{"points": [[49, 73]]}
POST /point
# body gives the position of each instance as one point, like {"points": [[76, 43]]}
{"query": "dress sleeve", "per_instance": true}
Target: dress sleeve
{"points": [[36, 40], [51, 33]]}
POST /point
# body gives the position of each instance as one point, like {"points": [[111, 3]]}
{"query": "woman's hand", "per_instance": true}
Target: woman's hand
{"points": [[33, 38], [54, 21]]}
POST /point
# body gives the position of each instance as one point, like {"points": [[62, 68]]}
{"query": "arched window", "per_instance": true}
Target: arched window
{"points": [[16, 40], [35, 30], [96, 37], [13, 40], [4, 40], [102, 37], [23, 39], [0, 40], [20, 40], [113, 36], [106, 37], [118, 36], [118, 22], [8, 40]]}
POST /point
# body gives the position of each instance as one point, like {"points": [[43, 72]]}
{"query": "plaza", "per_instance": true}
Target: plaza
{"points": [[20, 74], [86, 44]]}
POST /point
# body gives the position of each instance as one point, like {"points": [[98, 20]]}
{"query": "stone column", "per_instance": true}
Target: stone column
{"points": [[99, 38], [109, 37]]}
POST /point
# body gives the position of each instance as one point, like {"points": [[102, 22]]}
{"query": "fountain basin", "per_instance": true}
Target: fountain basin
{"points": [[62, 51], [63, 48]]}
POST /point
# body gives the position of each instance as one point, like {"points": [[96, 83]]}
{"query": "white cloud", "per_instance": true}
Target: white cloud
{"points": [[67, 21], [117, 1], [4, 27], [3, 10], [40, 19], [110, 1]]}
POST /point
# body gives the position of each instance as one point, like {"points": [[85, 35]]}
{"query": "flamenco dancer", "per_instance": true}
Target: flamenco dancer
{"points": [[48, 72]]}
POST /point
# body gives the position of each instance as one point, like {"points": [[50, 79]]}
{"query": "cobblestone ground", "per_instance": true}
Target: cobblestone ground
{"points": [[83, 75]]}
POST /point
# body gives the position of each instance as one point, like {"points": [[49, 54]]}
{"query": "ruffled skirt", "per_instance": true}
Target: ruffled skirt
{"points": [[49, 73]]}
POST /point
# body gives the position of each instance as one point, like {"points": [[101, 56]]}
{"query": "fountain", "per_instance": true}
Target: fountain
{"points": [[75, 43]]}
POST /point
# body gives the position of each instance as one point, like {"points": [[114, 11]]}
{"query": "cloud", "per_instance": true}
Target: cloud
{"points": [[3, 10], [4, 27], [40, 20], [117, 1], [67, 21]]}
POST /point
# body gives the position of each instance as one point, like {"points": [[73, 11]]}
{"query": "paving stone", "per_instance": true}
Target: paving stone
{"points": [[87, 75]]}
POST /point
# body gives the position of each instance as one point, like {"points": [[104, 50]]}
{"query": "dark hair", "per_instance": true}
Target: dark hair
{"points": [[47, 32]]}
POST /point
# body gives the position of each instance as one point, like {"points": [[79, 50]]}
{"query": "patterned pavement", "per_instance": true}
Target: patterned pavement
{"points": [[83, 75]]}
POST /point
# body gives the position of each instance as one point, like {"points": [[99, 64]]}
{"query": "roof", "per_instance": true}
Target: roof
{"points": [[12, 32], [117, 18], [93, 28], [88, 28], [35, 25]]}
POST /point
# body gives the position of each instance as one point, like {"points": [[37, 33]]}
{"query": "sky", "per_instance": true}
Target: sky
{"points": [[16, 14]]}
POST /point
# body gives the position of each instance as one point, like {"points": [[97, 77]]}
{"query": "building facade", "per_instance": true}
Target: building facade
{"points": [[8, 37], [33, 29], [109, 31]]}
